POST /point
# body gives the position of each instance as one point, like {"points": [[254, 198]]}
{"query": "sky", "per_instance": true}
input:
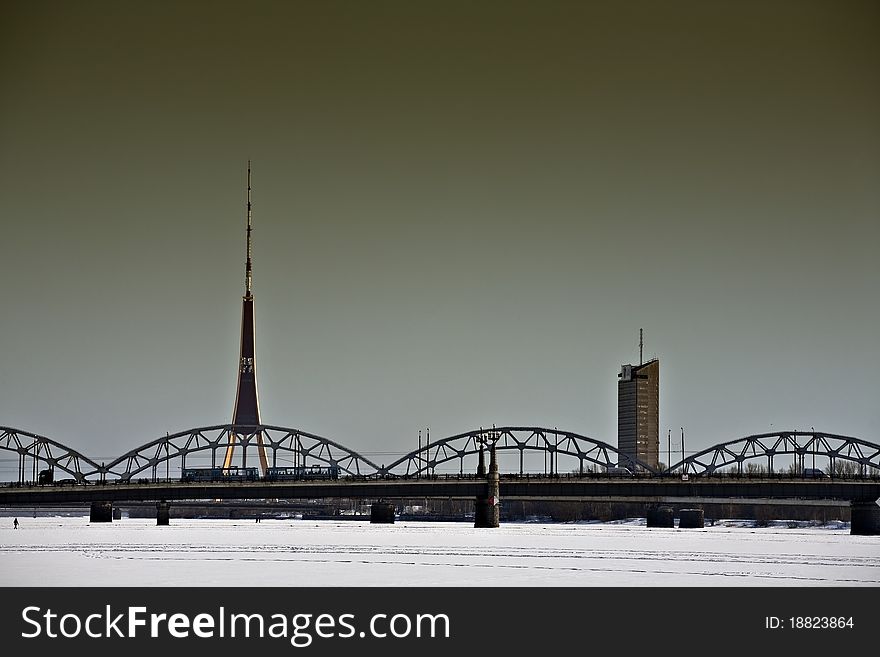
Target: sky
{"points": [[463, 214]]}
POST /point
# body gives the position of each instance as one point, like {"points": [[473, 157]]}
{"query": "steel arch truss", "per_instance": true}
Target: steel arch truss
{"points": [[40, 449], [554, 442], [766, 446], [300, 447]]}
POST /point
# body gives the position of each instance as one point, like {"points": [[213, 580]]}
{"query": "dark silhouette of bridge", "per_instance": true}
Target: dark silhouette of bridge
{"points": [[577, 468], [581, 455]]}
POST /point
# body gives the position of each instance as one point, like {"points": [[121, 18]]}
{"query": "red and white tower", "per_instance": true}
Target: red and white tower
{"points": [[246, 414]]}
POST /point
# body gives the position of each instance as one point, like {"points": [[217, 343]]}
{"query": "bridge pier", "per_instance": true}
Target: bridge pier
{"points": [[381, 513], [487, 513], [481, 512], [864, 519], [163, 514], [661, 517], [690, 519], [101, 512], [494, 501]]}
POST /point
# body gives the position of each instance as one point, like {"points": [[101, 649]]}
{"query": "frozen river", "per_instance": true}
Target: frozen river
{"points": [[71, 552]]}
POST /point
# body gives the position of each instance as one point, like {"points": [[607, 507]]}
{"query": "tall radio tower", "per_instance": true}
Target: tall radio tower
{"points": [[246, 414]]}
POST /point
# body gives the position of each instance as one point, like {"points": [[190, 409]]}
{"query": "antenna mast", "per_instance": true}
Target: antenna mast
{"points": [[641, 342], [247, 270]]}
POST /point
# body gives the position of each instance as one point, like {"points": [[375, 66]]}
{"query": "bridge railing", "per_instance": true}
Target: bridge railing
{"points": [[567, 476]]}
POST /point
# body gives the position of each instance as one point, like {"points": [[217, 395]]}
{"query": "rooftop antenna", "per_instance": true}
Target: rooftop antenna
{"points": [[247, 270], [641, 342]]}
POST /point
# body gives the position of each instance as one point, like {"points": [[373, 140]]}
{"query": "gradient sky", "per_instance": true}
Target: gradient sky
{"points": [[463, 214]]}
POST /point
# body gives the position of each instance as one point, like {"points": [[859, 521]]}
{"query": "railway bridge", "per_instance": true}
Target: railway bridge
{"points": [[789, 467]]}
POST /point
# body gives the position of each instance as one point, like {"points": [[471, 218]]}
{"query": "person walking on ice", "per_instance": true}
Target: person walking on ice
{"points": [[15, 524]]}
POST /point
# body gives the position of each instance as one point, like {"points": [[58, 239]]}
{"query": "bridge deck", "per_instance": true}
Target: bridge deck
{"points": [[511, 489]]}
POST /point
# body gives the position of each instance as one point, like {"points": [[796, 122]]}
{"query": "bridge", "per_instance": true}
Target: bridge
{"points": [[575, 468]]}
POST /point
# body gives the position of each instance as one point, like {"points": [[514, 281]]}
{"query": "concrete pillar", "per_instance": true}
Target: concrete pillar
{"points": [[661, 517], [864, 519], [382, 513], [690, 519], [481, 512], [101, 512], [486, 509], [163, 513], [494, 501]]}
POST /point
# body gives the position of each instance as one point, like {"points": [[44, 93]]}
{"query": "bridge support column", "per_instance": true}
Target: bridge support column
{"points": [[494, 501], [163, 513], [661, 517], [381, 513], [864, 519], [486, 507], [481, 503], [690, 519], [101, 512], [481, 512]]}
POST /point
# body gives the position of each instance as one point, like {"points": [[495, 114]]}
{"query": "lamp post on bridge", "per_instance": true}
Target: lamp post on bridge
{"points": [[683, 464]]}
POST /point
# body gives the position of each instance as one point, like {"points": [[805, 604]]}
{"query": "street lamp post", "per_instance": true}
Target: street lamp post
{"points": [[683, 464]]}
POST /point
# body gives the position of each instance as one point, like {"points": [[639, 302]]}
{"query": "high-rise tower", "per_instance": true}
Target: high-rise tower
{"points": [[638, 410], [247, 406]]}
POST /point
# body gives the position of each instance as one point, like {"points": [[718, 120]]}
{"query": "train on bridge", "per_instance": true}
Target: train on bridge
{"points": [[302, 472], [290, 473]]}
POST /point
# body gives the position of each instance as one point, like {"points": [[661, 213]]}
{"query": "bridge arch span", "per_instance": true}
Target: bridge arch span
{"points": [[587, 451], [205, 447], [758, 452], [40, 449]]}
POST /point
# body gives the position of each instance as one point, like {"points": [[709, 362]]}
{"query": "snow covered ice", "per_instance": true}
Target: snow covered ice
{"points": [[69, 551]]}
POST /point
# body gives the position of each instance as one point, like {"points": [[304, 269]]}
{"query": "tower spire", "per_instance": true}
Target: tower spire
{"points": [[246, 414], [248, 270]]}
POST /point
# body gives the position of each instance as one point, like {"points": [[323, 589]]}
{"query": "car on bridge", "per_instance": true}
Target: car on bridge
{"points": [[814, 473]]}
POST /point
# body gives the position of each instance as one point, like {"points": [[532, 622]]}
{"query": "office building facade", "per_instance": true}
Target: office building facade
{"points": [[638, 412]]}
